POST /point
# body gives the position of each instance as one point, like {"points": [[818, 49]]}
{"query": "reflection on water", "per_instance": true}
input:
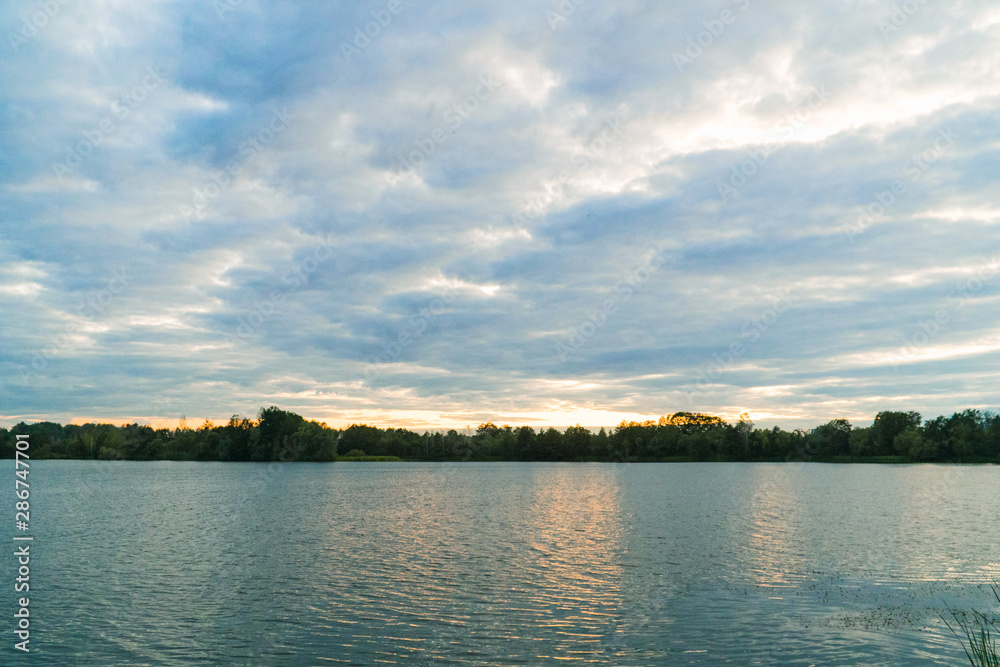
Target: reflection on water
{"points": [[472, 561], [771, 536], [499, 564]]}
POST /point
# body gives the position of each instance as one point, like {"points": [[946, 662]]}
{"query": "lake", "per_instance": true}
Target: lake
{"points": [[170, 563]]}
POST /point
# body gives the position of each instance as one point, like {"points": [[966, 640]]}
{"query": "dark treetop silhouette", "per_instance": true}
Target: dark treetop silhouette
{"points": [[279, 435]]}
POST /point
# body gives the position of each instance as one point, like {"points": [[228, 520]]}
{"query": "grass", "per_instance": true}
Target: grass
{"points": [[369, 458], [977, 634]]}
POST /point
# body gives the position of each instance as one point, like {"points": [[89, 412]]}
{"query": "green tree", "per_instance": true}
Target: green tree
{"points": [[315, 442], [860, 442], [576, 443], [359, 436], [665, 441], [744, 429], [271, 440], [110, 442], [913, 443], [235, 443], [991, 439], [138, 442], [525, 443], [832, 438], [600, 445], [549, 445], [966, 434], [633, 439], [6, 444], [697, 445], [888, 425]]}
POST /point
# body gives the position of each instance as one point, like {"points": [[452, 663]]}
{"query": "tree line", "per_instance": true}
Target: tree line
{"points": [[278, 435]]}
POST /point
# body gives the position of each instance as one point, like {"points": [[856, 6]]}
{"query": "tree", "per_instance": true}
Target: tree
{"points": [[832, 438], [991, 439], [6, 444], [272, 435], [110, 442], [315, 442], [235, 443], [138, 443], [888, 425], [400, 442], [525, 443], [912, 443], [744, 427], [576, 443], [693, 422], [455, 444], [860, 442], [665, 441], [549, 444], [487, 430], [495, 441], [776, 444], [631, 438], [966, 433], [697, 445], [359, 436], [600, 446]]}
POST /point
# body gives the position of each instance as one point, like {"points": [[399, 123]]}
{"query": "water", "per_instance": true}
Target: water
{"points": [[502, 564]]}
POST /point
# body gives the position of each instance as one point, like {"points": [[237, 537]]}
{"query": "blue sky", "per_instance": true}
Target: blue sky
{"points": [[438, 214]]}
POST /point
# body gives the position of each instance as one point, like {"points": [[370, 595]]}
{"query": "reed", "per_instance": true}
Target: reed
{"points": [[976, 634]]}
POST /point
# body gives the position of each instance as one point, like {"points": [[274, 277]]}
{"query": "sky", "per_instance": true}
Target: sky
{"points": [[432, 215]]}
